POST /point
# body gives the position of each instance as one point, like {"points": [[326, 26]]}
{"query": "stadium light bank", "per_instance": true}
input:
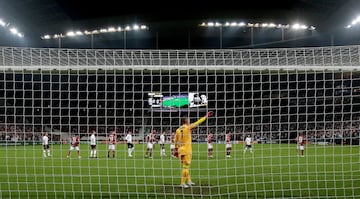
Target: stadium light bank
{"points": [[354, 22], [234, 24], [11, 28], [295, 26], [110, 29]]}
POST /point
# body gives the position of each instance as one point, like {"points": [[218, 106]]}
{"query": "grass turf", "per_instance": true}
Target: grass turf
{"points": [[274, 170]]}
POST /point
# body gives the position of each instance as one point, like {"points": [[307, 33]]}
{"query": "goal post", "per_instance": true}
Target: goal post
{"points": [[285, 124]]}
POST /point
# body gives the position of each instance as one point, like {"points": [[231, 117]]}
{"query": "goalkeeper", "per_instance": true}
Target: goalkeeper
{"points": [[183, 148]]}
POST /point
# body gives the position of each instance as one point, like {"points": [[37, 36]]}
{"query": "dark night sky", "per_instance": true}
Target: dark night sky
{"points": [[171, 10]]}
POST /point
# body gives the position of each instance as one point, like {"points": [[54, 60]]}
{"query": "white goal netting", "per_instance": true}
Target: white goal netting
{"points": [[291, 117]]}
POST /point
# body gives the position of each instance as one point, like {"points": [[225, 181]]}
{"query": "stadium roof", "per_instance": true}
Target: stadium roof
{"points": [[171, 20]]}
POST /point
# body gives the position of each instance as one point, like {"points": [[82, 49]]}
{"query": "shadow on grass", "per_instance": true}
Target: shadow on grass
{"points": [[202, 190]]}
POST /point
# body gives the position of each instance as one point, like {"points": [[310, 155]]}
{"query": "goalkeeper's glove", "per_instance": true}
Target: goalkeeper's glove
{"points": [[210, 113], [176, 153]]}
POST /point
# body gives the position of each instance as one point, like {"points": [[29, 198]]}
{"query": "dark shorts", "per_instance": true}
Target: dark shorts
{"points": [[130, 145], [162, 146], [93, 146], [46, 147], [248, 146]]}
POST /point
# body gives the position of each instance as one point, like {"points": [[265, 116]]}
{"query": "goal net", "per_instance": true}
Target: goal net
{"points": [[290, 116]]}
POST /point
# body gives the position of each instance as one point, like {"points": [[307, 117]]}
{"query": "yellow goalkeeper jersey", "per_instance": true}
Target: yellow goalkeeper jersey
{"points": [[183, 136]]}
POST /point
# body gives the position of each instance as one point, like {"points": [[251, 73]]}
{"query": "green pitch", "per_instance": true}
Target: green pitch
{"points": [[273, 171]]}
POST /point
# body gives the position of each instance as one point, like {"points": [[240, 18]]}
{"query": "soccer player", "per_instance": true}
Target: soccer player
{"points": [[248, 144], [162, 144], [111, 143], [74, 145], [150, 138], [183, 147], [45, 143], [300, 144], [93, 144], [172, 144], [228, 144], [130, 144], [209, 144]]}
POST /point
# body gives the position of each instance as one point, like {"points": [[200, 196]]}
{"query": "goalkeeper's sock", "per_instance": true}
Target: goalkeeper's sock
{"points": [[91, 153], [184, 175], [188, 177], [48, 152], [94, 153], [44, 153]]}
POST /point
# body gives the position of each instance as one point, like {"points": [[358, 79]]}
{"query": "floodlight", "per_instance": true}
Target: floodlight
{"points": [[2, 23], [233, 24], [46, 37], [217, 24], [143, 27], [95, 32], [242, 24], [111, 29], [227, 24], [136, 27], [348, 26], [203, 24], [272, 25], [13, 31], [103, 30], [296, 26], [127, 28], [79, 33], [210, 24], [70, 34], [87, 32], [20, 35]]}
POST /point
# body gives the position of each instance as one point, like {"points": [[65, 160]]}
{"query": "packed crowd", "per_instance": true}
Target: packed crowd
{"points": [[261, 132], [20, 133]]}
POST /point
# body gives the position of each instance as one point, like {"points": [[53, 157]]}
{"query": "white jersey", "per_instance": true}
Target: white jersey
{"points": [[300, 140], [248, 141], [128, 138], [162, 139], [45, 140], [92, 139]]}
